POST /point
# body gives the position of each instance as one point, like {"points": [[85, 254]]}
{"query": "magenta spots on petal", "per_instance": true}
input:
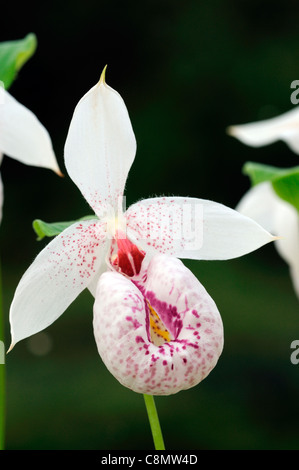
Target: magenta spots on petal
{"points": [[139, 339], [185, 343], [135, 322], [154, 358]]}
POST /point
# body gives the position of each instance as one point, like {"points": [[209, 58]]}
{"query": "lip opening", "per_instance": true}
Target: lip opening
{"points": [[125, 257]]}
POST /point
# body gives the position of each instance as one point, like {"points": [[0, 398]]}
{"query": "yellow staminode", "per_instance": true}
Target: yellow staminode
{"points": [[159, 334]]}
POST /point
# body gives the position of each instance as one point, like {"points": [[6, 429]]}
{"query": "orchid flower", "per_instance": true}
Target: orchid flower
{"points": [[257, 134], [262, 204], [23, 137], [149, 308]]}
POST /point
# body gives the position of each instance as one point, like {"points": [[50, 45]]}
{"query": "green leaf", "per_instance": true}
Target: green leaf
{"points": [[45, 229], [285, 181], [259, 173], [13, 55], [287, 188]]}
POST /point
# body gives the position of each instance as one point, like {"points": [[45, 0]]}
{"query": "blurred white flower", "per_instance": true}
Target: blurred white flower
{"points": [[261, 202], [23, 137], [263, 205], [257, 134]]}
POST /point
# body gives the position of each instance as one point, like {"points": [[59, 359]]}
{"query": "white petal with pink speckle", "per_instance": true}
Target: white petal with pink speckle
{"points": [[56, 277], [193, 228]]}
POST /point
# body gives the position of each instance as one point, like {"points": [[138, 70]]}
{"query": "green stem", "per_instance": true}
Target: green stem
{"points": [[2, 373], [154, 422]]}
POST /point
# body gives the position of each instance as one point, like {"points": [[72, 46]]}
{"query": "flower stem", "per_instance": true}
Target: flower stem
{"points": [[154, 422], [2, 373]]}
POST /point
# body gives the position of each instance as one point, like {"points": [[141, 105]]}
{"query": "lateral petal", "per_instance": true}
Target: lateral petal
{"points": [[23, 137], [100, 147], [193, 228], [121, 329], [284, 127], [56, 277]]}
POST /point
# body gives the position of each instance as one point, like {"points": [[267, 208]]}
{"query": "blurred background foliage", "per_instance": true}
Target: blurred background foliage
{"points": [[186, 71]]}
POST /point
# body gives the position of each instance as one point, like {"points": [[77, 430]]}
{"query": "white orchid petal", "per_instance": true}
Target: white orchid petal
{"points": [[92, 286], [193, 228], [259, 203], [121, 329], [56, 277], [1, 198], [268, 209], [100, 147], [262, 204], [23, 137], [287, 224], [284, 127]]}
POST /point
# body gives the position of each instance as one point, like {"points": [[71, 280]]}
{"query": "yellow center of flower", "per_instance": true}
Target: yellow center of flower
{"points": [[158, 331]]}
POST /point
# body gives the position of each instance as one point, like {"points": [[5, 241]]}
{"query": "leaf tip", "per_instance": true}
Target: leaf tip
{"points": [[246, 168], [36, 227], [32, 39]]}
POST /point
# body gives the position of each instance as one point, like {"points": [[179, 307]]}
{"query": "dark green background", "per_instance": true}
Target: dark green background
{"points": [[186, 70]]}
